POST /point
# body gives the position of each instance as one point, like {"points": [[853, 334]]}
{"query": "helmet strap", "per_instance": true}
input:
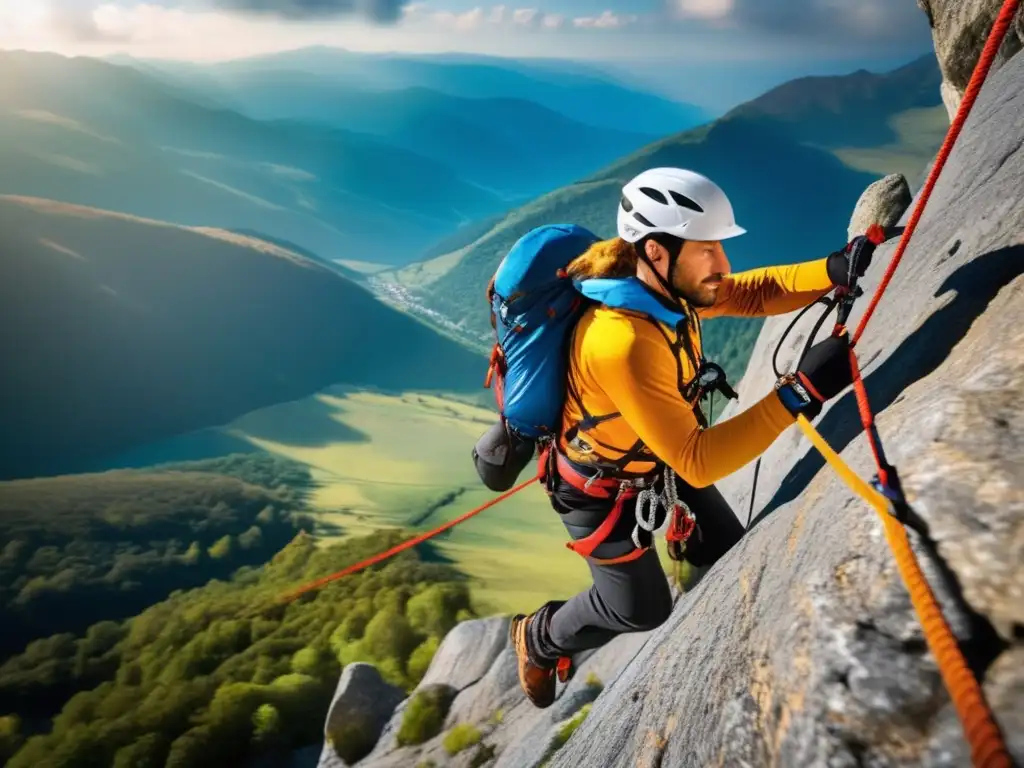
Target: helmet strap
{"points": [[674, 246]]}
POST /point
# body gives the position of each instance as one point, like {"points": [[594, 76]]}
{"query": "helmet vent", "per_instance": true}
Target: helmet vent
{"points": [[685, 202], [654, 194], [627, 206], [643, 219]]}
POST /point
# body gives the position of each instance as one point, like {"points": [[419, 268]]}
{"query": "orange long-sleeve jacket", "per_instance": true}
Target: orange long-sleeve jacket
{"points": [[622, 363]]}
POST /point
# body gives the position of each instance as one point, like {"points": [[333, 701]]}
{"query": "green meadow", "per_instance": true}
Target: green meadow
{"points": [[919, 132], [383, 461]]}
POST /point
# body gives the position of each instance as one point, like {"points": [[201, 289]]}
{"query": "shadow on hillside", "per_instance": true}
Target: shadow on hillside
{"points": [[309, 423], [976, 285], [193, 446], [429, 552], [121, 333]]}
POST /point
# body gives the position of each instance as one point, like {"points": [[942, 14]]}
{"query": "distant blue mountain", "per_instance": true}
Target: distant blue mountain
{"points": [[89, 132], [513, 145], [582, 93]]}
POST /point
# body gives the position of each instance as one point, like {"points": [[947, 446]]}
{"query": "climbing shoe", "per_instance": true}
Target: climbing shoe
{"points": [[538, 682]]}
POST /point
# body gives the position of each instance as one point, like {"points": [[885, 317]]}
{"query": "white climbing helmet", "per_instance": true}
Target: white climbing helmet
{"points": [[677, 201]]}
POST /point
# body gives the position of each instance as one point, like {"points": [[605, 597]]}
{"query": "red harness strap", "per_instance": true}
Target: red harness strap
{"points": [[598, 487]]}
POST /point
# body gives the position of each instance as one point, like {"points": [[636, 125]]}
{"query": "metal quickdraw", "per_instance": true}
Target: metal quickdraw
{"points": [[679, 522]]}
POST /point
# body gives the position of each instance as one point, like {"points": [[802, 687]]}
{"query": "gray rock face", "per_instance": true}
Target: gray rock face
{"points": [[959, 30], [363, 701], [883, 202], [511, 727], [467, 652], [466, 655], [800, 647]]}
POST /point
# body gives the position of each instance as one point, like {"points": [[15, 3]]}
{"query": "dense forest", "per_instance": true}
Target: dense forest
{"points": [[228, 673], [80, 549]]}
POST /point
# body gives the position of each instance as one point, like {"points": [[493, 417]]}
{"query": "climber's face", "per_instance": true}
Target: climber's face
{"points": [[698, 272]]}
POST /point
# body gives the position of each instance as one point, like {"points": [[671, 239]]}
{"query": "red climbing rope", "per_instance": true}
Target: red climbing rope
{"points": [[405, 544], [981, 70]]}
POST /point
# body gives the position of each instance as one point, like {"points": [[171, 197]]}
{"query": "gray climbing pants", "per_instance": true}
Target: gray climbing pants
{"points": [[625, 597]]}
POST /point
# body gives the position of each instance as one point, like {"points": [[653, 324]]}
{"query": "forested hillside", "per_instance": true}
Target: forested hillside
{"points": [[228, 672]]}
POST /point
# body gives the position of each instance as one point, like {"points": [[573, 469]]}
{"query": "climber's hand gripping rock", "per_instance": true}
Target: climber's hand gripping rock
{"points": [[846, 265]]}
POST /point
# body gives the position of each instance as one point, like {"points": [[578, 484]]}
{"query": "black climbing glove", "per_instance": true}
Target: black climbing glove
{"points": [[824, 372], [853, 260]]}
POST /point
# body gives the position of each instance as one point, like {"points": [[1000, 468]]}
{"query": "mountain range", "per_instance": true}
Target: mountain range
{"points": [[510, 144], [585, 93], [87, 132], [320, 161]]}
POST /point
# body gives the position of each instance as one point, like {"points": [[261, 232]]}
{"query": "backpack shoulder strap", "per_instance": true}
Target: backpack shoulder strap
{"points": [[619, 293], [629, 293]]}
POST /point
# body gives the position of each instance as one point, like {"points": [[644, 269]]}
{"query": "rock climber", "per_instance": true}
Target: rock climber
{"points": [[633, 418]]}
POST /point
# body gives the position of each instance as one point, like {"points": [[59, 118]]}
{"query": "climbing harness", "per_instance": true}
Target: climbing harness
{"points": [[678, 522], [884, 494]]}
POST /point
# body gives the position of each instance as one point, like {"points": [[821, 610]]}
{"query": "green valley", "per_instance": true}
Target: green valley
{"points": [[379, 461]]}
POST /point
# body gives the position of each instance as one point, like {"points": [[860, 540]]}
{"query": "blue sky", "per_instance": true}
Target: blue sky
{"points": [[708, 50]]}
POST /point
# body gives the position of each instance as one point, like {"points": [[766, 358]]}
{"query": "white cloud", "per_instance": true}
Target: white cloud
{"points": [[503, 16], [719, 29], [705, 9], [145, 23], [203, 32], [463, 22], [526, 16], [19, 17], [553, 21], [607, 20]]}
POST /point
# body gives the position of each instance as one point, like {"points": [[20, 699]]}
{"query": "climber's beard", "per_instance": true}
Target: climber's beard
{"points": [[696, 293]]}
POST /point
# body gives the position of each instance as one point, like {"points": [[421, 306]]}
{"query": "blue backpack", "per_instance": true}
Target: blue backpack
{"points": [[534, 309]]}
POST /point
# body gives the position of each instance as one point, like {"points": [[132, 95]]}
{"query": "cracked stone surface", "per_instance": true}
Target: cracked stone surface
{"points": [[364, 696], [520, 734]]}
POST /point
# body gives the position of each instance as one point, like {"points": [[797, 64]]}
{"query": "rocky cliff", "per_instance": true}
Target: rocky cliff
{"points": [[959, 29], [800, 647]]}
